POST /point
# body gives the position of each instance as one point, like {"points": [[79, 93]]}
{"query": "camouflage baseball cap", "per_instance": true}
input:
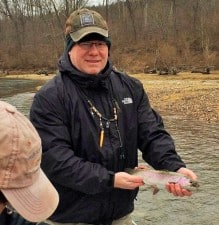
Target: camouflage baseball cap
{"points": [[83, 22]]}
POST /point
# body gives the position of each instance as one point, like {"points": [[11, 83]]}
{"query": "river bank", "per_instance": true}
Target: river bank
{"points": [[29, 76], [188, 95]]}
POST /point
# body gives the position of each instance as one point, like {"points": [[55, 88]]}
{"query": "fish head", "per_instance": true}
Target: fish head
{"points": [[194, 183], [187, 183]]}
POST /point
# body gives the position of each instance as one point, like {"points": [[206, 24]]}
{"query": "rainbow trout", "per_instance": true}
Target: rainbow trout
{"points": [[157, 179]]}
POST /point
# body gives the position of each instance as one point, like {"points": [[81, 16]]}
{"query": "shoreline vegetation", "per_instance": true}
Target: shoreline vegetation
{"points": [[190, 95]]}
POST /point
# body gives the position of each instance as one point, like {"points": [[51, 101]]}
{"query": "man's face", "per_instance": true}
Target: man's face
{"points": [[89, 57]]}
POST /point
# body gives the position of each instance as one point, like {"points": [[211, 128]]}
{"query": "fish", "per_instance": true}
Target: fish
{"points": [[157, 179]]}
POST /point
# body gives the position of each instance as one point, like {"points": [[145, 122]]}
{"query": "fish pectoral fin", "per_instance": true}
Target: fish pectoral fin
{"points": [[155, 189]]}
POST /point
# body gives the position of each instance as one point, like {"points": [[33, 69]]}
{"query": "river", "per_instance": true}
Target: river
{"points": [[196, 142]]}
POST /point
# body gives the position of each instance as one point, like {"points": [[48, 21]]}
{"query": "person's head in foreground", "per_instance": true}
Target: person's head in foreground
{"points": [[23, 185], [87, 41]]}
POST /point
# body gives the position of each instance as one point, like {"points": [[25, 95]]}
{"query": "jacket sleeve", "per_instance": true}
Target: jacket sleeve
{"points": [[59, 162], [154, 141]]}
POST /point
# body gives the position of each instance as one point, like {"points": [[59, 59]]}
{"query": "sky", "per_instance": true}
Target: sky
{"points": [[96, 2]]}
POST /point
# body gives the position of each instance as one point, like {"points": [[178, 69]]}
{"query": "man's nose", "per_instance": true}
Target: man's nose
{"points": [[93, 48]]}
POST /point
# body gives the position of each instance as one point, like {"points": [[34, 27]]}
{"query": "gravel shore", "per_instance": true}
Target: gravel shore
{"points": [[194, 96]]}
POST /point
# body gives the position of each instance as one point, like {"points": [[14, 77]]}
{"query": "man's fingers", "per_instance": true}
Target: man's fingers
{"points": [[177, 190]]}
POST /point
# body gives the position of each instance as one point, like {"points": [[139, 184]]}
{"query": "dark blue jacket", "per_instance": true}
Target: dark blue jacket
{"points": [[13, 218], [81, 171]]}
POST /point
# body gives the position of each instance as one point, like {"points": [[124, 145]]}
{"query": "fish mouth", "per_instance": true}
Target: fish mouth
{"points": [[194, 183]]}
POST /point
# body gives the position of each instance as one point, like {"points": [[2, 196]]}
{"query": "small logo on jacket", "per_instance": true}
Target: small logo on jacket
{"points": [[126, 101]]}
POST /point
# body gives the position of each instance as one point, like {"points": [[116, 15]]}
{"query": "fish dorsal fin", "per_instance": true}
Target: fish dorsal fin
{"points": [[155, 189]]}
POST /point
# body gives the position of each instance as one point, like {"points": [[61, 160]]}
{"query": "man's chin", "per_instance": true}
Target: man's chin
{"points": [[93, 72]]}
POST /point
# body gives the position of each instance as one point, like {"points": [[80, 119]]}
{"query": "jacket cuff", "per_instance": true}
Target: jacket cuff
{"points": [[111, 178]]}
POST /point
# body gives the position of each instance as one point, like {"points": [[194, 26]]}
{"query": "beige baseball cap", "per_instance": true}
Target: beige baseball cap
{"points": [[22, 181], [83, 22]]}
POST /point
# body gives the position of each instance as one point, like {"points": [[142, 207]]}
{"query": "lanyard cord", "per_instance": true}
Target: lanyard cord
{"points": [[116, 111], [95, 111]]}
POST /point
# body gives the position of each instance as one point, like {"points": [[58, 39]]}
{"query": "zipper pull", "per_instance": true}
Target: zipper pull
{"points": [[107, 124]]}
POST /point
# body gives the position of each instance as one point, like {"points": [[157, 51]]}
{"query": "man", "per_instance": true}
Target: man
{"points": [[24, 188], [92, 120]]}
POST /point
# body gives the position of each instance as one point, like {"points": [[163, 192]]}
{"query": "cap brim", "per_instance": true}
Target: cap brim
{"points": [[78, 35], [36, 202]]}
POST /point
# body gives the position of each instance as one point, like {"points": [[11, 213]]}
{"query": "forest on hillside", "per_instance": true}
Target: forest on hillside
{"points": [[144, 33]]}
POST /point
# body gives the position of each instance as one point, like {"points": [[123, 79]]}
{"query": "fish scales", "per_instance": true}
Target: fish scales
{"points": [[157, 179]]}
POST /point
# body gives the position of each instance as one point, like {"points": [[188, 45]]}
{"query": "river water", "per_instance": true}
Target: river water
{"points": [[196, 142]]}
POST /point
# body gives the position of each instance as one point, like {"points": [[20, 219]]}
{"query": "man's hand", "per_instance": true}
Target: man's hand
{"points": [[126, 181], [176, 189]]}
